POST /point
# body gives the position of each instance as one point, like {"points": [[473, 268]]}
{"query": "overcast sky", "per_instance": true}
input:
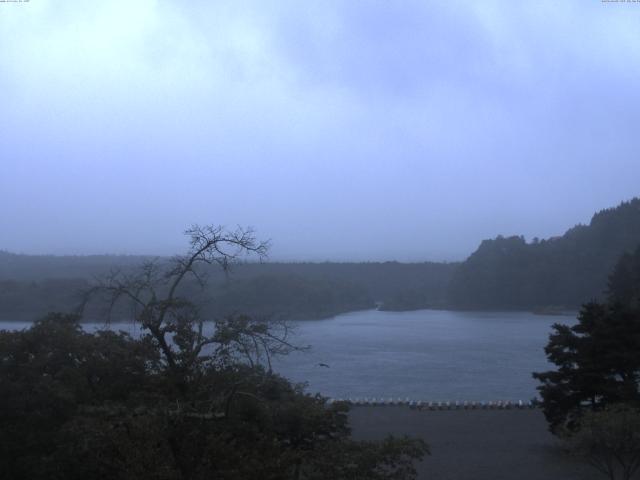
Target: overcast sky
{"points": [[340, 130]]}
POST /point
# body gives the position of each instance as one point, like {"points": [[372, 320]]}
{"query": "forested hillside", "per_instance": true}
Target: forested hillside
{"points": [[561, 272], [30, 286], [504, 273]]}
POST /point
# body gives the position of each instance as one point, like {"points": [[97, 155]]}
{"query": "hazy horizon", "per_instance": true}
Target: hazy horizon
{"points": [[270, 258], [341, 131]]}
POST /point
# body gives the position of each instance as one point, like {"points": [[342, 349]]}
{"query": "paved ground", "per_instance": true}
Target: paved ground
{"points": [[476, 444]]}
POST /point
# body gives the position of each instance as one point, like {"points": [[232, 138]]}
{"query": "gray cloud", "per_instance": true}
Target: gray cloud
{"points": [[342, 130]]}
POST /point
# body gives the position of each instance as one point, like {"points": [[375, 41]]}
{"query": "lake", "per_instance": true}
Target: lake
{"points": [[433, 355]]}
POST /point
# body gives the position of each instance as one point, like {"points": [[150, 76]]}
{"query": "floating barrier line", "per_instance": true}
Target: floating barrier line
{"points": [[425, 405]]}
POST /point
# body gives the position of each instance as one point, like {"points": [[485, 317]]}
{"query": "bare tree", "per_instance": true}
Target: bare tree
{"points": [[173, 321]]}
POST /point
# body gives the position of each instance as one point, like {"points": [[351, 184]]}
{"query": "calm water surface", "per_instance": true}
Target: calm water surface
{"points": [[428, 354]]}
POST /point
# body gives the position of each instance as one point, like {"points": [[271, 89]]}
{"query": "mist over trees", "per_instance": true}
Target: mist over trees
{"points": [[504, 273], [564, 272], [30, 286]]}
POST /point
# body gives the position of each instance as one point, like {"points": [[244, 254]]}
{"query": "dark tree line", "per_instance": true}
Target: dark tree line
{"points": [[31, 286], [505, 273], [561, 272], [183, 401], [592, 398], [597, 359]]}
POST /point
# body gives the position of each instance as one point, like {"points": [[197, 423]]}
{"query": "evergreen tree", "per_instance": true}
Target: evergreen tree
{"points": [[598, 359], [562, 272]]}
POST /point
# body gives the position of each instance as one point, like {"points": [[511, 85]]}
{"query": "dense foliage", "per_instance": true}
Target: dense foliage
{"points": [[563, 272], [188, 399], [289, 296], [28, 300], [30, 286], [598, 359], [78, 405]]}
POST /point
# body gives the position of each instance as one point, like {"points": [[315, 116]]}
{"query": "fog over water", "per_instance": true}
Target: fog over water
{"points": [[340, 130]]}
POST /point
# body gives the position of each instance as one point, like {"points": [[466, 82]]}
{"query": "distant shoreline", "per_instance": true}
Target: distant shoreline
{"points": [[554, 312], [543, 311]]}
